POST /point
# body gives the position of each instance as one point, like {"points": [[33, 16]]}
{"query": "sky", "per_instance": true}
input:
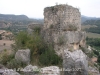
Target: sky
{"points": [[35, 8]]}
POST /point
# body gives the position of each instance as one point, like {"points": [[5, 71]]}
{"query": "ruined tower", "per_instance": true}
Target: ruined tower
{"points": [[62, 17], [62, 27]]}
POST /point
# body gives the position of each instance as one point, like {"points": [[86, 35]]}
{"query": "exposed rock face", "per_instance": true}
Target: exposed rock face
{"points": [[23, 56], [34, 70], [10, 72], [51, 70], [75, 63], [93, 70], [75, 36], [30, 70]]}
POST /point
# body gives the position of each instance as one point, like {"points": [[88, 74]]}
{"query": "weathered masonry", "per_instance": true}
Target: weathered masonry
{"points": [[62, 17], [62, 27]]}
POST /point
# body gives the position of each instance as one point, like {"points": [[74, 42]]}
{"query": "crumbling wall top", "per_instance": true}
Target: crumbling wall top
{"points": [[63, 17]]}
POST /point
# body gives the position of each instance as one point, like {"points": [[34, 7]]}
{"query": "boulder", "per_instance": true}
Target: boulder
{"points": [[93, 70], [23, 56], [75, 63], [31, 70], [10, 72]]}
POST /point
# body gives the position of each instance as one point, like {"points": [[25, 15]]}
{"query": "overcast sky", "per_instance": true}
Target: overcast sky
{"points": [[34, 8]]}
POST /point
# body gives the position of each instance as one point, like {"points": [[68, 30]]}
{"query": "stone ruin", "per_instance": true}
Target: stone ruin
{"points": [[62, 18], [62, 28]]}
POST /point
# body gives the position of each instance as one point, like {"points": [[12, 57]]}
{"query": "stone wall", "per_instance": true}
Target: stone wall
{"points": [[62, 28], [62, 17]]}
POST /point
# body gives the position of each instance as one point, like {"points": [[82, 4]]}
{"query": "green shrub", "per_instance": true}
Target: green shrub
{"points": [[41, 52], [61, 40], [0, 37], [98, 59], [51, 26], [5, 57], [87, 52], [37, 29], [49, 57], [70, 28], [15, 64], [21, 40]]}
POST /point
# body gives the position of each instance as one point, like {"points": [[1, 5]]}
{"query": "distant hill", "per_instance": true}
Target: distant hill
{"points": [[10, 17], [13, 17], [84, 18]]}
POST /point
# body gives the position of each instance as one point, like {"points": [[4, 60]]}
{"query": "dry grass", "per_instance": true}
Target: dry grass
{"points": [[93, 35], [5, 53], [5, 44], [89, 34], [87, 26]]}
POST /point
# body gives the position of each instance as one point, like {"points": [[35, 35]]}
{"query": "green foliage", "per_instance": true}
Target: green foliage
{"points": [[93, 29], [51, 26], [37, 30], [88, 53], [41, 53], [49, 57], [52, 8], [0, 37], [5, 57], [70, 27], [98, 59], [61, 40], [21, 39], [15, 64], [93, 41]]}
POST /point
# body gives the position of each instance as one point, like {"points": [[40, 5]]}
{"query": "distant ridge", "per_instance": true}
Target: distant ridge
{"points": [[84, 18], [24, 17], [13, 17]]}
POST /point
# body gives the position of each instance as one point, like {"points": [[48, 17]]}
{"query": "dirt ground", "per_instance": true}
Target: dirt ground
{"points": [[5, 44]]}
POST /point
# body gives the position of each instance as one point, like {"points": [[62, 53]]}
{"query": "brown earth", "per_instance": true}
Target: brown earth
{"points": [[5, 44]]}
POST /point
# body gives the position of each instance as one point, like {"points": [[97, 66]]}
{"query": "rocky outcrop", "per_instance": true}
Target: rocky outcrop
{"points": [[31, 70], [51, 70], [93, 71], [23, 56], [75, 63], [34, 70], [75, 36], [10, 72]]}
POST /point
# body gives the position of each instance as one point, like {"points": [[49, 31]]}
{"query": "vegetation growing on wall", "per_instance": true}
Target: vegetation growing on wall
{"points": [[70, 27], [41, 53], [0, 37], [61, 40]]}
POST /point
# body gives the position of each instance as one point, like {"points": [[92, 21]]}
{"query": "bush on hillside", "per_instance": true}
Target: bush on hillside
{"points": [[41, 53]]}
